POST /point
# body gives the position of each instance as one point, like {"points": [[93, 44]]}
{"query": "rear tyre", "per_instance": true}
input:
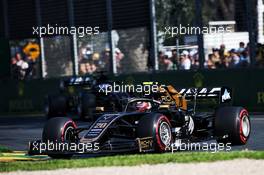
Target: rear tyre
{"points": [[158, 127], [86, 106], [232, 125], [55, 106], [59, 129]]}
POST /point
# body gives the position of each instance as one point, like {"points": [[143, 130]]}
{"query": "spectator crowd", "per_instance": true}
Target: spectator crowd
{"points": [[90, 61], [23, 68], [184, 61], [234, 58], [25, 61], [218, 58], [24, 64]]}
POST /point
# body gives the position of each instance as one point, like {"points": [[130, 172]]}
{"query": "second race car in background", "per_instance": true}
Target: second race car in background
{"points": [[81, 95]]}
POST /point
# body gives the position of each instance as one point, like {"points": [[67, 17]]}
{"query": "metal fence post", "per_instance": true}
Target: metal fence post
{"points": [[199, 23], [153, 35], [110, 37], [41, 40], [74, 46], [252, 45]]}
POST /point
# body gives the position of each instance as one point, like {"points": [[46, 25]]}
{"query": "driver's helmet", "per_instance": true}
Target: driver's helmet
{"points": [[143, 106]]}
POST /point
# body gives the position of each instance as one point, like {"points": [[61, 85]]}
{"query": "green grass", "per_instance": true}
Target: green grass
{"points": [[129, 160], [4, 149]]}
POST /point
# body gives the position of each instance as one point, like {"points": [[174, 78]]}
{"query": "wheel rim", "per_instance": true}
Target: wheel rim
{"points": [[68, 134], [245, 126], [165, 133]]}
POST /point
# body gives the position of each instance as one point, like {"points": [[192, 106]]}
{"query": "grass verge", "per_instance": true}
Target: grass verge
{"points": [[129, 160], [4, 149]]}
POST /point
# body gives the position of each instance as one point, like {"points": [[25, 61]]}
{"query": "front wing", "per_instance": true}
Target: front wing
{"points": [[136, 145]]}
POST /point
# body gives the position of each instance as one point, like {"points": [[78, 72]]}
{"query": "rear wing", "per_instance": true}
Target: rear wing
{"points": [[224, 94]]}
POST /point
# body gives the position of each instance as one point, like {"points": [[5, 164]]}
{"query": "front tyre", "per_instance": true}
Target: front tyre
{"points": [[232, 125], [158, 127], [59, 129]]}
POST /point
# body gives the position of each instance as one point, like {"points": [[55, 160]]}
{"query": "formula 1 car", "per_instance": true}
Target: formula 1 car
{"points": [[148, 125], [81, 95]]}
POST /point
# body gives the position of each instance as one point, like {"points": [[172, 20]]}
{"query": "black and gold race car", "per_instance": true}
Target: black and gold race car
{"points": [[148, 125]]}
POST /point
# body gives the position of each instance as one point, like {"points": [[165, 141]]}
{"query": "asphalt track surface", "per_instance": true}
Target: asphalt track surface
{"points": [[17, 131]]}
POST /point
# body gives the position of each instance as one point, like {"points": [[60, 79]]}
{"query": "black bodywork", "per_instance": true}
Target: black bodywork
{"points": [[140, 130], [81, 95]]}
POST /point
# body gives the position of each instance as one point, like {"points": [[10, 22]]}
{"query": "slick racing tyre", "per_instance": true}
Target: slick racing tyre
{"points": [[59, 129], [86, 106], [232, 125], [158, 127], [55, 105]]}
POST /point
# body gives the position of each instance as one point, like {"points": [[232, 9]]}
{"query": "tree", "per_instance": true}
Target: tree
{"points": [[175, 12]]}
